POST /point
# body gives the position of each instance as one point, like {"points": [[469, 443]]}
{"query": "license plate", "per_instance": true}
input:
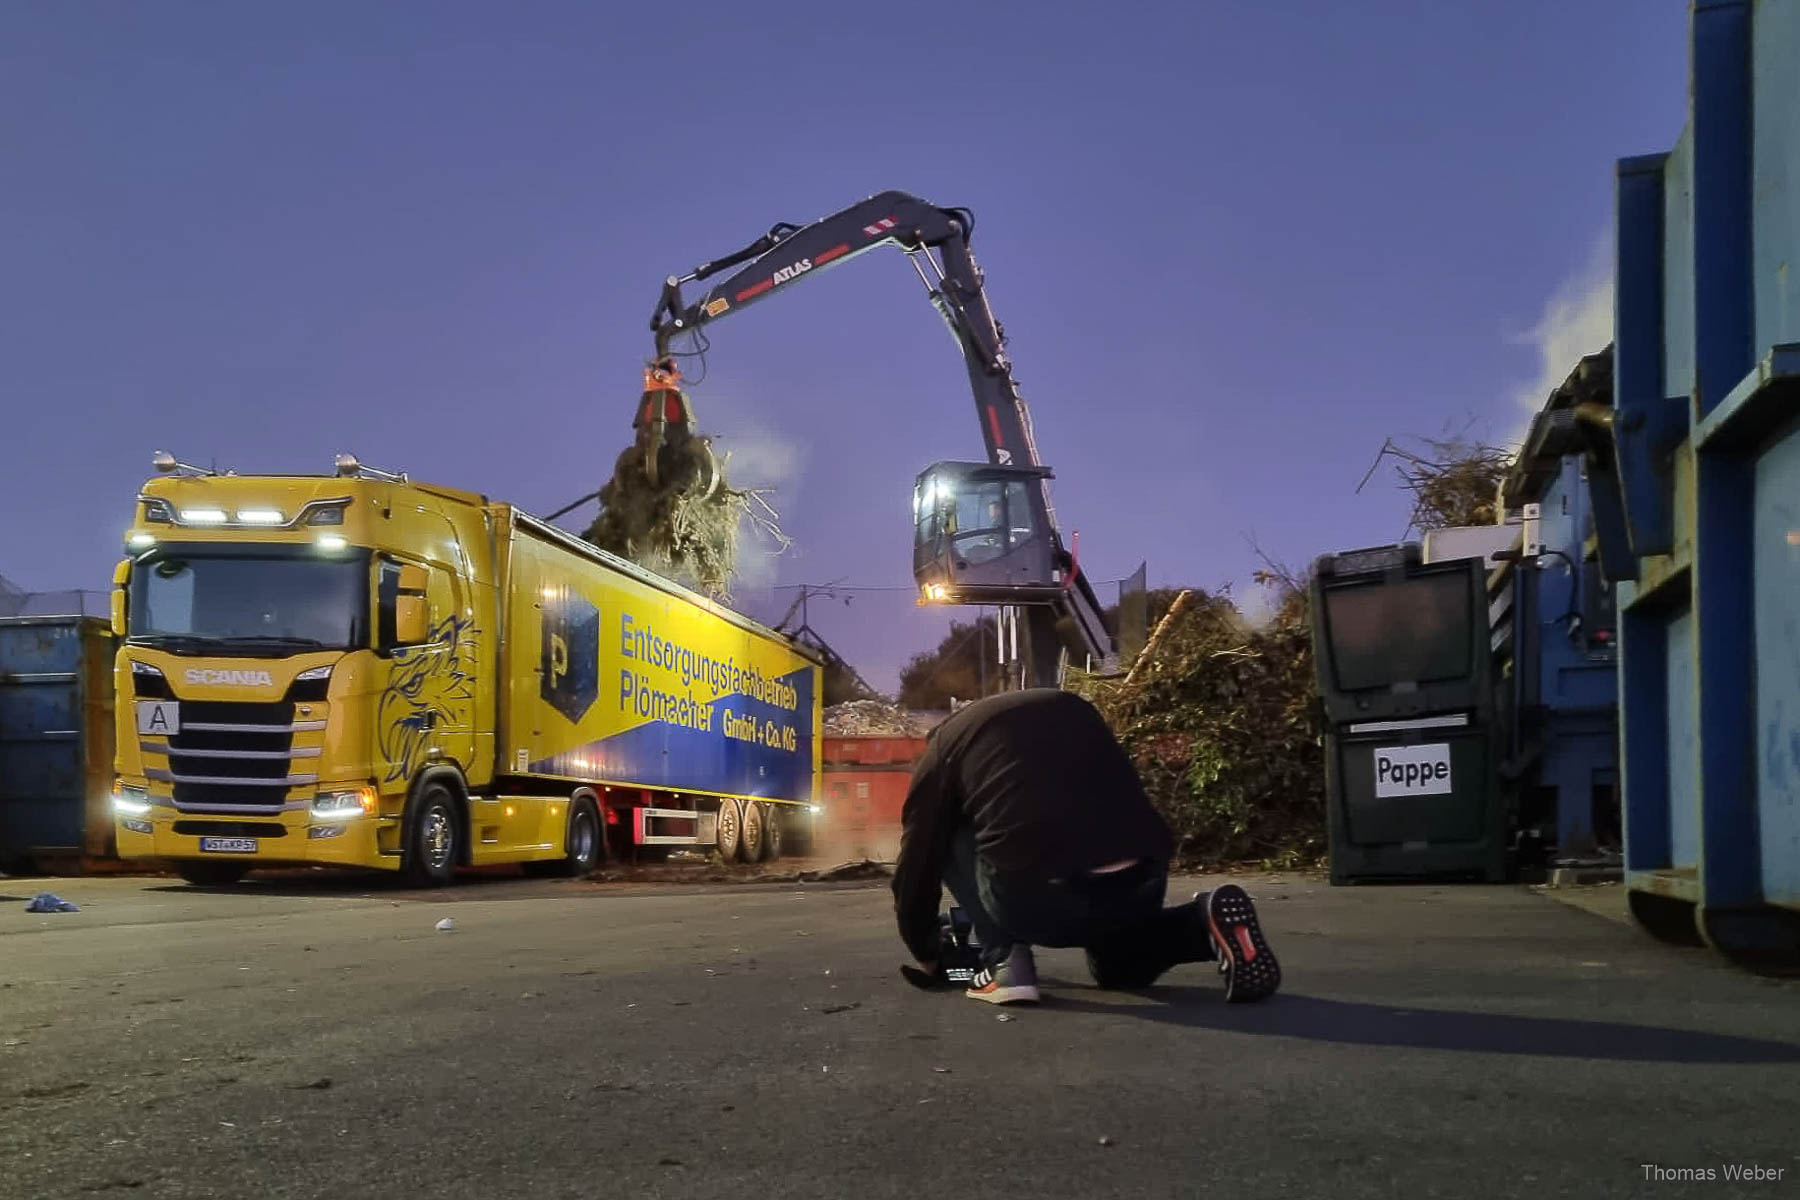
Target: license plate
{"points": [[159, 717], [229, 845]]}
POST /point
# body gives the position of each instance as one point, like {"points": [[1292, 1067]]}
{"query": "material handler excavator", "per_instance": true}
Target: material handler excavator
{"points": [[984, 533]]}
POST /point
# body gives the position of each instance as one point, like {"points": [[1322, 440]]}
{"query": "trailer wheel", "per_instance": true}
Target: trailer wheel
{"points": [[432, 839], [212, 874], [755, 836], [772, 834], [731, 830]]}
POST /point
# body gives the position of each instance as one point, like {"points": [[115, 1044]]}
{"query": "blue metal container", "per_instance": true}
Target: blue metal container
{"points": [[1553, 613], [1706, 399], [56, 741]]}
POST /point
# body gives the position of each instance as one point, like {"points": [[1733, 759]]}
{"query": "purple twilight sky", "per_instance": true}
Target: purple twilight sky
{"points": [[1234, 246]]}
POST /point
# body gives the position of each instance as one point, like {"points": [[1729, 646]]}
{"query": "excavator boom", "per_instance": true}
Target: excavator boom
{"points": [[937, 241]]}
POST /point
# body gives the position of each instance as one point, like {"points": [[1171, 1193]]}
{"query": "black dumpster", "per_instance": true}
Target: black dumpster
{"points": [[1402, 653]]}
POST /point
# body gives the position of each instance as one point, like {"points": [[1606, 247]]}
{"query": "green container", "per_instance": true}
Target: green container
{"points": [[1402, 652]]}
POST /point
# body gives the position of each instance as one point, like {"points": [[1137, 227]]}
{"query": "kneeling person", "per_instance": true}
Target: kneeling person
{"points": [[1027, 808]]}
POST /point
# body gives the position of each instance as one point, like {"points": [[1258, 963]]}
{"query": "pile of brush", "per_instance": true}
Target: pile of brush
{"points": [[686, 523], [1219, 717]]}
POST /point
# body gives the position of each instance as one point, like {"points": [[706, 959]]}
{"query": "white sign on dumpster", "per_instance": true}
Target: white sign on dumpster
{"points": [[1412, 770]]}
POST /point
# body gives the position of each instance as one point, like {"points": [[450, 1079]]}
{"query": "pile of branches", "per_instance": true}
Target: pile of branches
{"points": [[1218, 716], [687, 525], [1454, 481]]}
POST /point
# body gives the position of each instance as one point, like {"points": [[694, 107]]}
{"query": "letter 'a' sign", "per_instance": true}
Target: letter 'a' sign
{"points": [[159, 717], [1412, 771]]}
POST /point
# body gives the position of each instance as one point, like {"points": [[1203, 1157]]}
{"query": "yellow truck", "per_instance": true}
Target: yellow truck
{"points": [[364, 670]]}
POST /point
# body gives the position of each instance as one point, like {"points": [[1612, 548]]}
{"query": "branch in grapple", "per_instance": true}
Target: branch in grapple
{"points": [[685, 523]]}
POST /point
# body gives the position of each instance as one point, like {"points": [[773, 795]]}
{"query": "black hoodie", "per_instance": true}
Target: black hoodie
{"points": [[1047, 789]]}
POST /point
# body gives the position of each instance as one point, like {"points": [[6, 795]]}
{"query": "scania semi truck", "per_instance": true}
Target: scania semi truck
{"points": [[359, 669]]}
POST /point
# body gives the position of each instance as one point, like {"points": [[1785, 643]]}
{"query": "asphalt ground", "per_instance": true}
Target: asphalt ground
{"points": [[317, 1036]]}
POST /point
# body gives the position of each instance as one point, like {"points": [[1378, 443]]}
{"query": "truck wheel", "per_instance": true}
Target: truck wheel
{"points": [[212, 874], [586, 844], [731, 830], [583, 849], [772, 834], [755, 831], [432, 839]]}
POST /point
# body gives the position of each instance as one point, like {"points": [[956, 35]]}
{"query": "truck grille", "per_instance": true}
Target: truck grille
{"points": [[237, 754]]}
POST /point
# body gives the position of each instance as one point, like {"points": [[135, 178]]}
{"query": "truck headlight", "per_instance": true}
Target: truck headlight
{"points": [[342, 805], [323, 672], [130, 801]]}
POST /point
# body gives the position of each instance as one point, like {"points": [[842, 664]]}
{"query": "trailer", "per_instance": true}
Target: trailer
{"points": [[362, 670]]}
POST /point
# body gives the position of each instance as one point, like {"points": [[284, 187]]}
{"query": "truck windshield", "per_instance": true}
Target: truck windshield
{"points": [[263, 603]]}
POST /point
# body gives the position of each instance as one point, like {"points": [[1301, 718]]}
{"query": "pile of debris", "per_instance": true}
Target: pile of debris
{"points": [[1219, 718], [877, 718]]}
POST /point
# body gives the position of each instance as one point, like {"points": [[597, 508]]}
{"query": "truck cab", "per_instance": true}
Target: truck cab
{"points": [[293, 650]]}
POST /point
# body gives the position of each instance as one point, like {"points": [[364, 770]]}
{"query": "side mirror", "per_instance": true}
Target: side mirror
{"points": [[411, 619], [413, 579], [121, 579]]}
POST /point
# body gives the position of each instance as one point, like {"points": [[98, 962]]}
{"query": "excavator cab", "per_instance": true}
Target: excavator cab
{"points": [[981, 535]]}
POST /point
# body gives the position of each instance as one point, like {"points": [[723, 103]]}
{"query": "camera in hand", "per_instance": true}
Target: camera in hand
{"points": [[960, 958]]}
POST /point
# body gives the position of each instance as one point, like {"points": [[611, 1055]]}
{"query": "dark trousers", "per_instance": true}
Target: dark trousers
{"points": [[1118, 917]]}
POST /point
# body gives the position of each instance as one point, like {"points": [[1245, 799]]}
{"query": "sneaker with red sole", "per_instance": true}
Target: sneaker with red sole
{"points": [[1013, 981], [1249, 966]]}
